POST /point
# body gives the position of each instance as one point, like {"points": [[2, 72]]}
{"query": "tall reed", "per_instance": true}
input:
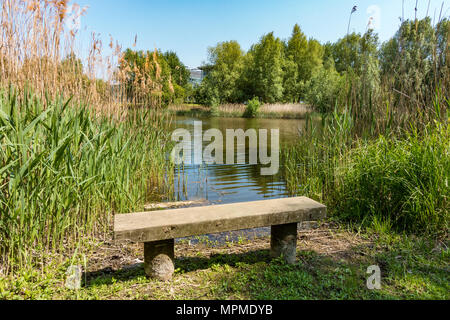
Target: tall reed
{"points": [[400, 178], [75, 146], [400, 181], [383, 155], [40, 49], [64, 173]]}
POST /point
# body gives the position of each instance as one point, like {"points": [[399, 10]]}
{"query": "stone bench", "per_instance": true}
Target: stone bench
{"points": [[159, 229]]}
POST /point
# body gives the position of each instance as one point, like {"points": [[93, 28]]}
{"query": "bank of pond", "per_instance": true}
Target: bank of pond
{"points": [[66, 172]]}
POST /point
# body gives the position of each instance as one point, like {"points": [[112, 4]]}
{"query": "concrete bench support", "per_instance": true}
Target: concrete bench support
{"points": [[159, 259], [283, 242]]}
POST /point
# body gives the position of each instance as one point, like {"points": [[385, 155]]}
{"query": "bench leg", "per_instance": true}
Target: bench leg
{"points": [[283, 242], [159, 259]]}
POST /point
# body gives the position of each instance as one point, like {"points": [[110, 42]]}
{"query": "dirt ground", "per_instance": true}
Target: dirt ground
{"points": [[326, 239]]}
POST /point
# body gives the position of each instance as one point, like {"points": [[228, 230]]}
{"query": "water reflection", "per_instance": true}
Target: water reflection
{"points": [[232, 183]]}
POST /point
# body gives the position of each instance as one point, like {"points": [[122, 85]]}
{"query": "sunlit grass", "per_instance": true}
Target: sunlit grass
{"points": [[275, 111], [398, 182]]}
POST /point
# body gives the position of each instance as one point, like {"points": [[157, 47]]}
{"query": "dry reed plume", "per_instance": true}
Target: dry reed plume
{"points": [[38, 50]]}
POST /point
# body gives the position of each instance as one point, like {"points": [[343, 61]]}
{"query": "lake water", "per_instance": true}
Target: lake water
{"points": [[221, 184]]}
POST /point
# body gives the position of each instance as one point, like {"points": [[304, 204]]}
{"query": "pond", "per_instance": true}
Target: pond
{"points": [[222, 183]]}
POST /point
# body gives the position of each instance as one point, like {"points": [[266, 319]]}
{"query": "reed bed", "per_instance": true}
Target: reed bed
{"points": [[64, 174], [279, 110], [286, 108], [397, 181], [382, 157], [40, 49], [76, 146]]}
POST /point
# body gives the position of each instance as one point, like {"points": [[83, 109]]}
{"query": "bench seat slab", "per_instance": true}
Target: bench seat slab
{"points": [[180, 223]]}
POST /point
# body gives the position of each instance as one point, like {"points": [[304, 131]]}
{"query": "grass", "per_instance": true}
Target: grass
{"points": [[332, 264], [269, 111], [65, 172], [398, 180]]}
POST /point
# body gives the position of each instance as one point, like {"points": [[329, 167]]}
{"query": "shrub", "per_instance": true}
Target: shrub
{"points": [[400, 181], [253, 108], [215, 112]]}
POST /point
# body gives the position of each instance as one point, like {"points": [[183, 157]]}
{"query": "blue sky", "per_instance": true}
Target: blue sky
{"points": [[190, 27]]}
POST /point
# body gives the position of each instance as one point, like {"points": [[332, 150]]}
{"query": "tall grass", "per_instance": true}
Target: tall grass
{"points": [[403, 182], [65, 172], [398, 179], [309, 166], [40, 48], [382, 157]]}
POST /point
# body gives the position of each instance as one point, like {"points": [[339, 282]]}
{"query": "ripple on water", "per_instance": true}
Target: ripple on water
{"points": [[220, 184]]}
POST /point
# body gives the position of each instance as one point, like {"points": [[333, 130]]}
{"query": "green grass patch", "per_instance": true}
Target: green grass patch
{"points": [[411, 268]]}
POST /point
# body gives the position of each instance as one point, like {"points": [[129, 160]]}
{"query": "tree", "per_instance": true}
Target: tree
{"points": [[226, 59], [307, 57], [266, 70], [180, 77], [322, 91], [314, 58], [297, 51], [180, 73], [292, 87], [413, 59], [349, 52]]}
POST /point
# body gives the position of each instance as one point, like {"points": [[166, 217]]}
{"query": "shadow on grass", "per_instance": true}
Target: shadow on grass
{"points": [[192, 264], [315, 276], [182, 264], [320, 277]]}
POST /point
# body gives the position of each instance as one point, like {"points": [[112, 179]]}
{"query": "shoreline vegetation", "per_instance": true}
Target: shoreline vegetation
{"points": [[73, 152], [69, 172], [84, 139], [266, 111]]}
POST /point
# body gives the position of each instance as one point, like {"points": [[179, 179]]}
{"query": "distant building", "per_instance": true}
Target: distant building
{"points": [[197, 76]]}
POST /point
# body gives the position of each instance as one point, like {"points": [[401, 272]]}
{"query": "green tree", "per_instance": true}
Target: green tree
{"points": [[292, 87], [266, 69], [314, 58], [180, 73], [323, 90], [416, 60], [226, 59], [297, 51], [349, 52], [307, 57]]}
